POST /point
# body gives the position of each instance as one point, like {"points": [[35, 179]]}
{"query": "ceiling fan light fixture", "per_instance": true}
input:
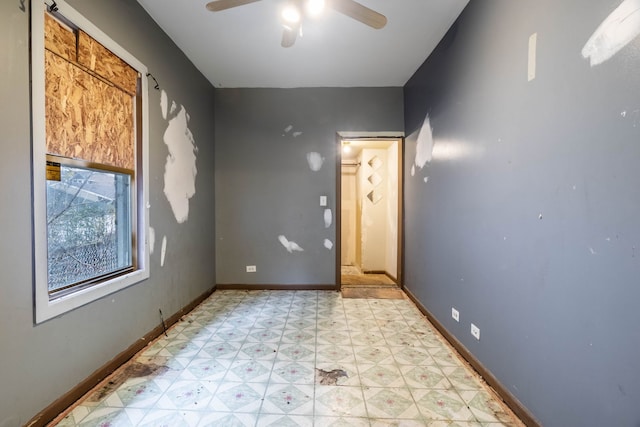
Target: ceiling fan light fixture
{"points": [[315, 7], [291, 14]]}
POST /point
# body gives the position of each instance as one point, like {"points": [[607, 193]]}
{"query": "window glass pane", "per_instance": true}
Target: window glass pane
{"points": [[88, 225]]}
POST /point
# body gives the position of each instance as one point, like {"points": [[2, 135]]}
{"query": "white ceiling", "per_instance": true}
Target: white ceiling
{"points": [[240, 47]]}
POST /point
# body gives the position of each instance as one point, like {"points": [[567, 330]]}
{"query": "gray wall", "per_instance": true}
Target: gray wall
{"points": [[40, 363], [529, 223], [265, 187]]}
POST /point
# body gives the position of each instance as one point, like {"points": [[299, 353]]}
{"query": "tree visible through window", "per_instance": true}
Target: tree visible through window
{"points": [[88, 226]]}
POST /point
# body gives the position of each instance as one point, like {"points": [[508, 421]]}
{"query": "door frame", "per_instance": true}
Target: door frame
{"points": [[372, 136]]}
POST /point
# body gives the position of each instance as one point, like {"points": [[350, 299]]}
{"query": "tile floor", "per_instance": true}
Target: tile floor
{"points": [[249, 358]]}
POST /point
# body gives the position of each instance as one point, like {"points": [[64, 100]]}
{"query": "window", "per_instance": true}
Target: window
{"points": [[89, 112], [89, 221]]}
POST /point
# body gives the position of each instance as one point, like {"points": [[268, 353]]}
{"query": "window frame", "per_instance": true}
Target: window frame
{"points": [[77, 164], [46, 307]]}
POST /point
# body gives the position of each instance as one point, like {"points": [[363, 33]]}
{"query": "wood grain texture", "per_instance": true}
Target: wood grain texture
{"points": [[59, 38], [87, 118], [105, 63]]}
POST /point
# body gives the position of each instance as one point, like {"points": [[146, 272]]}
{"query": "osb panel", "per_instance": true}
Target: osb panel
{"points": [[59, 39], [85, 117], [103, 62]]}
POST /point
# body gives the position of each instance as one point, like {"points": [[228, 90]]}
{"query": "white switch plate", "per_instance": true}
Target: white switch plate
{"points": [[251, 268], [323, 200], [475, 331], [455, 314]]}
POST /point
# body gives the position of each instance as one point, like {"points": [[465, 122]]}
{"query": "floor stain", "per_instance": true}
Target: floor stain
{"points": [[374, 293], [366, 279], [330, 377], [134, 370], [498, 412]]}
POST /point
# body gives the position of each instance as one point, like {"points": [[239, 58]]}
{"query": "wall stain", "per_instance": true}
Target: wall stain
{"points": [[622, 392]]}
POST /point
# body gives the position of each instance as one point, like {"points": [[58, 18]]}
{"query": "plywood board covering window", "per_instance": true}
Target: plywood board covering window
{"points": [[88, 116], [59, 38], [100, 60]]}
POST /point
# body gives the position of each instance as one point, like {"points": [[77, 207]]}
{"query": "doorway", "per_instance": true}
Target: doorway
{"points": [[370, 212]]}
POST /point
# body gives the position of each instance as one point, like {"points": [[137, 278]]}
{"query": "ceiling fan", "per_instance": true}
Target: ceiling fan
{"points": [[295, 10]]}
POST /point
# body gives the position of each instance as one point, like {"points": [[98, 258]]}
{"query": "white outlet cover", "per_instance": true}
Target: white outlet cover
{"points": [[475, 331], [251, 268], [323, 200], [455, 314]]}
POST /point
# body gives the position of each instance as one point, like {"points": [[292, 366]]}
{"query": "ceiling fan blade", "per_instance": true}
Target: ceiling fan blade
{"points": [[360, 13], [218, 5], [289, 36]]}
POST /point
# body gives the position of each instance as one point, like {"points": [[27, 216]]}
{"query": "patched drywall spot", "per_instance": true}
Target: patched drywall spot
{"points": [[328, 218], [163, 250], [634, 115], [315, 161], [615, 32], [593, 251], [328, 244], [296, 134], [424, 147], [152, 239], [426, 179], [531, 69], [413, 170], [288, 129], [164, 104], [180, 169], [456, 150], [290, 246]]}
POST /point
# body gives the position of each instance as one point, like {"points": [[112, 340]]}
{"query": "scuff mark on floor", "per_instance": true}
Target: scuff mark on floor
{"points": [[330, 377], [134, 370]]}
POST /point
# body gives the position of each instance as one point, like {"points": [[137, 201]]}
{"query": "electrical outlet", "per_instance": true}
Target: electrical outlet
{"points": [[251, 268], [475, 331], [455, 314], [323, 200]]}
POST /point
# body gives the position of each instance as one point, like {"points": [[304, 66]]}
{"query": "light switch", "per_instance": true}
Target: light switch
{"points": [[323, 200]]}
